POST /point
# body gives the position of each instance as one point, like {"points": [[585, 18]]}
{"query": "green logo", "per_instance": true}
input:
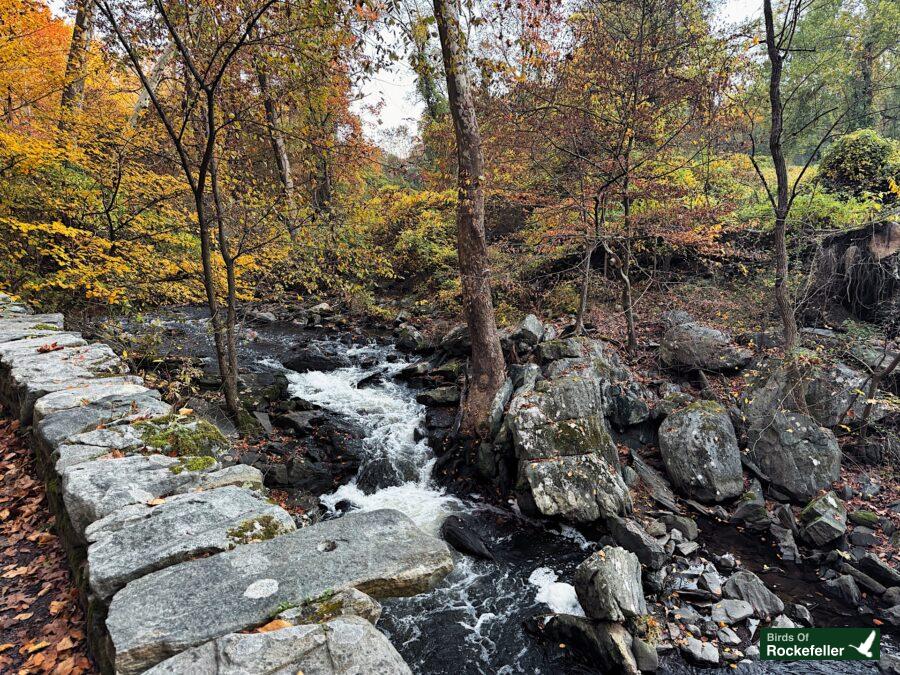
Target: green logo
{"points": [[820, 644]]}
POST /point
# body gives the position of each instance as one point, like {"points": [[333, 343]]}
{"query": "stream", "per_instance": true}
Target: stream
{"points": [[473, 622]]}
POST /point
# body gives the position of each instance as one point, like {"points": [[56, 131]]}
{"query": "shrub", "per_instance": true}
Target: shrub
{"points": [[862, 162]]}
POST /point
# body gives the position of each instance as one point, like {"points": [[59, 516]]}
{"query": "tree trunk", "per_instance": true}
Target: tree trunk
{"points": [[488, 368], [279, 149], [625, 271], [153, 80], [783, 299], [76, 62]]}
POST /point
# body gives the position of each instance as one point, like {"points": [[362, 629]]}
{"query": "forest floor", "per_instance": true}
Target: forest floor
{"points": [[42, 623]]}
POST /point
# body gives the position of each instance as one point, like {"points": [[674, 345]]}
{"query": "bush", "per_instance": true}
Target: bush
{"points": [[862, 162]]}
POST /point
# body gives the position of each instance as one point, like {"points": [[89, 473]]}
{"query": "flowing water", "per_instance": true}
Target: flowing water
{"points": [[473, 622]]}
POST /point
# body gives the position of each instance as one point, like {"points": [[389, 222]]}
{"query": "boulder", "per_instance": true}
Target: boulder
{"points": [[879, 570], [315, 357], [138, 539], [410, 338], [747, 586], [675, 317], [731, 611], [461, 536], [608, 585], [448, 395], [347, 602], [342, 646], [799, 457], [631, 535], [606, 645], [751, 508], [700, 451], [529, 331], [844, 588], [381, 553], [823, 520], [690, 346], [701, 653], [581, 488], [86, 391], [457, 341]]}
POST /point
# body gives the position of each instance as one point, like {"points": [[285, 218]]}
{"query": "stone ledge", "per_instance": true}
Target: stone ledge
{"points": [[137, 522]]}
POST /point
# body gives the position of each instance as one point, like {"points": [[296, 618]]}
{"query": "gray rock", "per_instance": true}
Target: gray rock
{"points": [[863, 536], [687, 526], [629, 534], [457, 341], [844, 588], [700, 451], [862, 579], [567, 348], [498, 407], [346, 645], [702, 653], [728, 637], [529, 331], [731, 611], [675, 317], [787, 546], [876, 568], [607, 646], [782, 621], [656, 485], [747, 586], [342, 603], [381, 553], [138, 539], [88, 391], [608, 585], [448, 395], [645, 656], [694, 346], [751, 508], [891, 616], [823, 520], [798, 455], [582, 488], [410, 338], [892, 596]]}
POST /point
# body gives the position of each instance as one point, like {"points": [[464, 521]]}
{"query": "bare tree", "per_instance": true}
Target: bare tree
{"points": [[488, 369], [76, 63]]}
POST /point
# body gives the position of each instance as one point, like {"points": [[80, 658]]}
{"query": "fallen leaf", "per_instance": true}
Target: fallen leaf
{"points": [[277, 624]]}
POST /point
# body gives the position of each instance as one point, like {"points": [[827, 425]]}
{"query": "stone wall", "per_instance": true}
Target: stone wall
{"points": [[179, 557]]}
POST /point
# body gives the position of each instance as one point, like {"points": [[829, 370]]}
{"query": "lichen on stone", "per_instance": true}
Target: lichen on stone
{"points": [[172, 434], [261, 528], [193, 463]]}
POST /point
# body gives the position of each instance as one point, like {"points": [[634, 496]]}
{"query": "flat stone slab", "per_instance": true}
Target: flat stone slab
{"points": [[16, 349], [87, 392], [94, 490], [381, 553], [347, 645], [139, 539], [90, 445], [58, 428]]}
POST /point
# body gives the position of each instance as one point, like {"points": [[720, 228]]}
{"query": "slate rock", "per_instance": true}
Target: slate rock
{"points": [[343, 646], [844, 588], [461, 536], [629, 534], [694, 346], [701, 653], [381, 553], [747, 586], [314, 357], [607, 646], [879, 570], [687, 526], [700, 451], [731, 611], [138, 539], [608, 585], [823, 520]]}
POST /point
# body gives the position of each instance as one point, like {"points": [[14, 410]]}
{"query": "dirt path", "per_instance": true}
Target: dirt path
{"points": [[41, 621]]}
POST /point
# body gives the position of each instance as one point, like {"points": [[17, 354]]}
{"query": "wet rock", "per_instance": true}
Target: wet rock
{"points": [[751, 508], [645, 656], [582, 488], [607, 645], [461, 536], [799, 614], [609, 586], [701, 653], [700, 451], [138, 539], [381, 553], [844, 588], [823, 520], [314, 357], [731, 611], [694, 346], [344, 645], [379, 474], [439, 396], [629, 534], [879, 570], [863, 536], [687, 526], [457, 341], [747, 586], [787, 546], [798, 455], [529, 331]]}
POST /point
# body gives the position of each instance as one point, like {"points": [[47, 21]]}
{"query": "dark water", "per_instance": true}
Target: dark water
{"points": [[475, 620]]}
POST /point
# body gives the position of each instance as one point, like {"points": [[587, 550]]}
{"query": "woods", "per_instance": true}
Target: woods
{"points": [[555, 297]]}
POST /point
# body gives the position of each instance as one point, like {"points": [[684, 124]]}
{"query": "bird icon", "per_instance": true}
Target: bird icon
{"points": [[865, 648]]}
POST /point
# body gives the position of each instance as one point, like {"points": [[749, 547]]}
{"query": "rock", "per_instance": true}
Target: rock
{"points": [[864, 518], [524, 377], [675, 317], [782, 622], [86, 391], [701, 653], [498, 408], [629, 534], [342, 646], [529, 331], [439, 396], [313, 357], [823, 520], [410, 338], [608, 585], [844, 588], [731, 611], [832, 389], [747, 586], [301, 422], [96, 489], [608, 646], [862, 579], [256, 316], [863, 536], [645, 656], [891, 616], [378, 474], [553, 350], [798, 455], [347, 602], [687, 526], [694, 346], [381, 553], [751, 508], [582, 488], [138, 539], [700, 451], [799, 613], [889, 664], [728, 637], [787, 546], [457, 341], [879, 570], [456, 532], [656, 485]]}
